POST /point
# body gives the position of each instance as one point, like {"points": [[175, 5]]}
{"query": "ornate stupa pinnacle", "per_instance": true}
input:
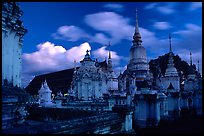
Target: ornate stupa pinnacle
{"points": [[109, 54], [191, 70], [190, 58], [109, 59], [87, 56], [171, 70], [170, 42], [45, 83], [171, 62], [137, 37], [74, 65], [136, 26]]}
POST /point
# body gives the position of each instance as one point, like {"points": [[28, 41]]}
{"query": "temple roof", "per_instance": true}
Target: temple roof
{"points": [[57, 81]]}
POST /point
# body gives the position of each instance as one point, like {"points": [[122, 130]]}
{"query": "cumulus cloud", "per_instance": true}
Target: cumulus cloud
{"points": [[195, 5], [114, 6], [164, 8], [109, 22], [70, 33], [50, 57], [102, 54], [162, 25]]}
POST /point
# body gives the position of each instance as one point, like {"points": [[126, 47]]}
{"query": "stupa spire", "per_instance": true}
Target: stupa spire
{"points": [[137, 37], [74, 65], [190, 58], [170, 42], [109, 55], [136, 26], [109, 60]]}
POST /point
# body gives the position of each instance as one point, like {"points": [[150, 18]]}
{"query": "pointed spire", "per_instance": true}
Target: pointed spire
{"points": [[191, 70], [74, 65], [171, 62], [136, 26], [109, 60], [87, 56], [137, 37], [109, 55], [170, 42], [190, 59], [171, 70], [105, 59], [45, 85], [87, 51], [44, 82]]}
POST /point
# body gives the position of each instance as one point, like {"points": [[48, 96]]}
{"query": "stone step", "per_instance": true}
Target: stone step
{"points": [[88, 127]]}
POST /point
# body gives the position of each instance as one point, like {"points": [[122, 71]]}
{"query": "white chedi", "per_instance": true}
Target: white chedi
{"points": [[45, 95]]}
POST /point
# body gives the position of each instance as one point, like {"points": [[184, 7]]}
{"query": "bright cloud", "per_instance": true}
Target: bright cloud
{"points": [[162, 25], [70, 33], [195, 5], [114, 6], [50, 58]]}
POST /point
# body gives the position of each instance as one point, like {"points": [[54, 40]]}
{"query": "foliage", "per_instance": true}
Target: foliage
{"points": [[160, 64]]}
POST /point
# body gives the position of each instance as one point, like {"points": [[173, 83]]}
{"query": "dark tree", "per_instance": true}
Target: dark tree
{"points": [[161, 62]]}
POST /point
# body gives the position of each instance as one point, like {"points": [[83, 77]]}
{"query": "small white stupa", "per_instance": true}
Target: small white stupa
{"points": [[45, 95]]}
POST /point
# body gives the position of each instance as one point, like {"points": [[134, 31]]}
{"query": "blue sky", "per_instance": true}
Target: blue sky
{"points": [[61, 32]]}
